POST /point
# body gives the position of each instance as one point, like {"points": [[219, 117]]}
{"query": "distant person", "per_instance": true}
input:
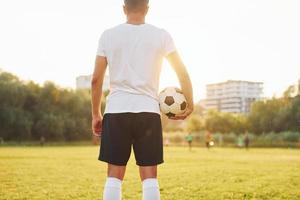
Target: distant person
{"points": [[42, 140], [167, 141], [208, 139], [134, 53], [189, 139], [246, 141], [240, 141]]}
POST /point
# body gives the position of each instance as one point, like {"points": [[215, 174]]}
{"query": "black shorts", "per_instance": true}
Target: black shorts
{"points": [[142, 131]]}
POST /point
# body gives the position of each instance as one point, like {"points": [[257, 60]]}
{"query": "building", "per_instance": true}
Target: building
{"points": [[84, 82], [232, 96]]}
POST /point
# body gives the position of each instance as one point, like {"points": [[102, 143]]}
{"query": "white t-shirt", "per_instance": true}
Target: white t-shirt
{"points": [[134, 54]]}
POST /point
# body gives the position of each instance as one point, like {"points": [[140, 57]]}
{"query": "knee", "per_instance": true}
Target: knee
{"points": [[116, 171], [148, 172]]}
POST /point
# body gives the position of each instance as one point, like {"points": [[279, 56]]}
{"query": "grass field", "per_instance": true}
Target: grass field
{"points": [[75, 173]]}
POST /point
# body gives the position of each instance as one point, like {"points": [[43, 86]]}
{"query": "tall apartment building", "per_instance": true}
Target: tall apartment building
{"points": [[232, 96], [84, 82]]}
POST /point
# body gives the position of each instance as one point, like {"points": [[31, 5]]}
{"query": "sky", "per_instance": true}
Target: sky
{"points": [[252, 40]]}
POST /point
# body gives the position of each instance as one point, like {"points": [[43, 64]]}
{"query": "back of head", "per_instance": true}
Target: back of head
{"points": [[136, 5]]}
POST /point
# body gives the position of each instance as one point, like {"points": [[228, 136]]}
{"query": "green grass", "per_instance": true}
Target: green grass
{"points": [[75, 173]]}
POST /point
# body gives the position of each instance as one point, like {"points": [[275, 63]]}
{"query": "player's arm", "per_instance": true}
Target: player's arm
{"points": [[185, 83], [96, 85]]}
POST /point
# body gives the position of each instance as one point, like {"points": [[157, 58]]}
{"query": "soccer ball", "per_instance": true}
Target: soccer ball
{"points": [[172, 101]]}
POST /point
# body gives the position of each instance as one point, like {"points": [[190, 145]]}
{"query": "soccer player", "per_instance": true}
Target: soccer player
{"points": [[208, 138], [246, 140], [133, 52], [189, 139]]}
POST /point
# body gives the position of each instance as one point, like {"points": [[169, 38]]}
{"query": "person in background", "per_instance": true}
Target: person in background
{"points": [[240, 141], [246, 140], [189, 139], [42, 140], [167, 141], [208, 139]]}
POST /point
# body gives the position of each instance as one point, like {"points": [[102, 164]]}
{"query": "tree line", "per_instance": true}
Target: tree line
{"points": [[29, 111]]}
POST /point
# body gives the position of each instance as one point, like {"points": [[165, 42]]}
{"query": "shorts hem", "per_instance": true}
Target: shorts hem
{"points": [[149, 164], [112, 162]]}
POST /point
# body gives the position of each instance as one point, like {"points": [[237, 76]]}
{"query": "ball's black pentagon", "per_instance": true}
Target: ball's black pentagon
{"points": [[183, 105], [169, 100], [170, 114]]}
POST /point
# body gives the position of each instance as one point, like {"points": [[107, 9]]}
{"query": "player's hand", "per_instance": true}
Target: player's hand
{"points": [[184, 115], [97, 126]]}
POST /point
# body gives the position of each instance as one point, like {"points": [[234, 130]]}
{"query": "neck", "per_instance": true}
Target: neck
{"points": [[136, 19]]}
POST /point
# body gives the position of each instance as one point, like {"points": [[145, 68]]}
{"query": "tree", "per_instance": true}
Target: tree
{"points": [[50, 126], [28, 111], [194, 123], [226, 122]]}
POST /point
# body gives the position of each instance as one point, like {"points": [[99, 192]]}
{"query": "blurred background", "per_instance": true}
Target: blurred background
{"points": [[242, 57]]}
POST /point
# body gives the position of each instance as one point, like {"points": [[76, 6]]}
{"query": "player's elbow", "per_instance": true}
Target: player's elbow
{"points": [[95, 82]]}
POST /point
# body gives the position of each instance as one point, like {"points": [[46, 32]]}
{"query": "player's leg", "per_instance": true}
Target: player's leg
{"points": [[113, 184], [148, 172], [148, 151], [116, 171], [150, 184], [115, 149]]}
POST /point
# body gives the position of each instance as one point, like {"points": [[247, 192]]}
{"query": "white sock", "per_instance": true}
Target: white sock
{"points": [[151, 189], [112, 189]]}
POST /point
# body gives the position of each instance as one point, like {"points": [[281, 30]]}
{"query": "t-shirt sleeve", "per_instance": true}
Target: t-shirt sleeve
{"points": [[168, 44], [102, 46]]}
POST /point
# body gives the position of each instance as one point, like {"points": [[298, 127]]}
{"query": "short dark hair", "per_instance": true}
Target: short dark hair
{"points": [[135, 5]]}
